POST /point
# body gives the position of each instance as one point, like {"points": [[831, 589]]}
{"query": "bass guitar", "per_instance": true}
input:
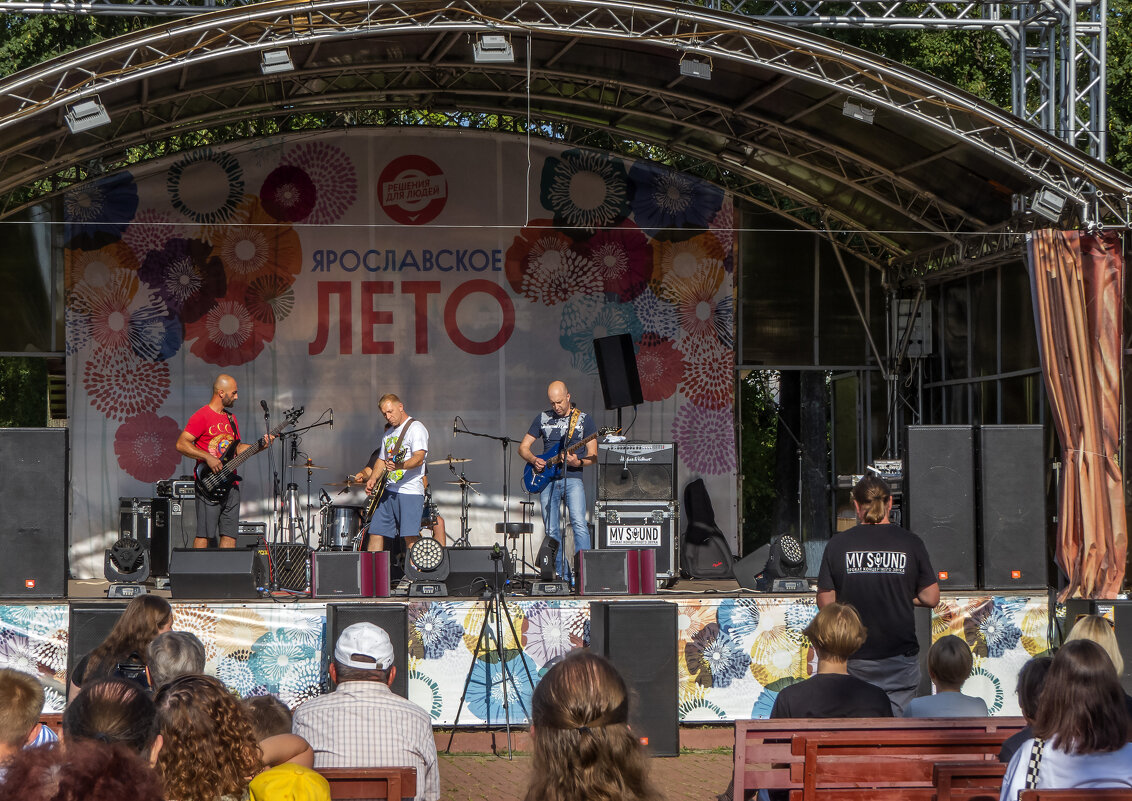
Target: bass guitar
{"points": [[214, 485], [554, 458]]}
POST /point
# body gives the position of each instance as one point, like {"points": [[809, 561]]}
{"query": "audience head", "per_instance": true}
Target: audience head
{"points": [[268, 715], [113, 711], [1081, 708], [1099, 630], [1031, 679], [871, 497], [83, 771], [21, 702], [950, 661], [363, 653], [172, 654], [836, 631], [144, 618], [583, 748], [209, 748], [289, 782]]}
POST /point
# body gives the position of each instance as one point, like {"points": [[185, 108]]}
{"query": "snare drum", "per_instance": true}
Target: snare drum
{"points": [[340, 527]]}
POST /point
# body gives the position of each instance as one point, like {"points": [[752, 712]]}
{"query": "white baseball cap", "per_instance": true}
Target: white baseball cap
{"points": [[364, 639]]}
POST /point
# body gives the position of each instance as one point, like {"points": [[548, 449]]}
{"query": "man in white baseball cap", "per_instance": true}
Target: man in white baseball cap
{"points": [[363, 724]]}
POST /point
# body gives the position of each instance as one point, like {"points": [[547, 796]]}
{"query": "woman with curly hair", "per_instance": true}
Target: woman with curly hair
{"points": [[85, 770], [583, 749], [144, 618], [209, 750]]}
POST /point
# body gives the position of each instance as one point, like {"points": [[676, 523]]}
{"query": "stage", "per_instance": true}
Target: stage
{"points": [[734, 649]]}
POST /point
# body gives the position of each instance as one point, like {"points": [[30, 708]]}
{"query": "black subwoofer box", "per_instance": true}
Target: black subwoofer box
{"points": [[217, 574]]}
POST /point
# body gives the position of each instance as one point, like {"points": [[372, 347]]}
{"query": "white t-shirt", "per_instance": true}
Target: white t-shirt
{"points": [[408, 482], [1061, 771]]}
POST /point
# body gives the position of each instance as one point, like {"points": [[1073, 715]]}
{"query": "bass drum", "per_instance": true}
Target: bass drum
{"points": [[340, 527]]}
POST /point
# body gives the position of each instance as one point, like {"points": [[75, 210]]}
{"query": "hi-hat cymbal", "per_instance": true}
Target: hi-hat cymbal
{"points": [[449, 460], [470, 483], [309, 466]]}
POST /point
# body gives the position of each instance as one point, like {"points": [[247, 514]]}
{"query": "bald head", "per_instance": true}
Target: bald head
{"points": [[224, 389], [559, 397]]}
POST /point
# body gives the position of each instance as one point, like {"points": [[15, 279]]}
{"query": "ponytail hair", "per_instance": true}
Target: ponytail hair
{"points": [[871, 495]]}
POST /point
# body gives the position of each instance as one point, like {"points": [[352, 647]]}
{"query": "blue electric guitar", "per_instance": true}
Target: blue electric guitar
{"points": [[554, 458]]}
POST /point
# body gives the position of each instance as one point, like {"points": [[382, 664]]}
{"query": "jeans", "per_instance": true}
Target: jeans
{"points": [[551, 499]]}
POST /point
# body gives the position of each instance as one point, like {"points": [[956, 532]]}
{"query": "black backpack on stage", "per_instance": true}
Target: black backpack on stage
{"points": [[704, 551]]}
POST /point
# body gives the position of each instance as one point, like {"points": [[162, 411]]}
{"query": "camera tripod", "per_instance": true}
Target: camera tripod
{"points": [[494, 611]]}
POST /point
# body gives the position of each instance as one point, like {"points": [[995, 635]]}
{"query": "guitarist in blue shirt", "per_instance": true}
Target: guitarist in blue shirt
{"points": [[560, 427]]}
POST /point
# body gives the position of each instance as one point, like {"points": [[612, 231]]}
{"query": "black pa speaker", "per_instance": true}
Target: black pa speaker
{"points": [[393, 618], [637, 637], [940, 500], [602, 572], [473, 570], [217, 573], [90, 623], [1012, 508], [33, 512], [617, 369]]}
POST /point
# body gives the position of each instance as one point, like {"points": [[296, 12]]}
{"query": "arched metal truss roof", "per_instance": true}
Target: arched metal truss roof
{"points": [[937, 182]]}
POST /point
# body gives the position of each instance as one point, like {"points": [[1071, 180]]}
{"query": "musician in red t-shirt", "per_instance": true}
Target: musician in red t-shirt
{"points": [[208, 435]]}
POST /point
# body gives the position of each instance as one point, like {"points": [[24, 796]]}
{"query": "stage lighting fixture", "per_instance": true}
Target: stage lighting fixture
{"points": [[426, 568], [1048, 204], [86, 114], [274, 61], [785, 569], [547, 555], [492, 48], [858, 111], [126, 566], [694, 68]]}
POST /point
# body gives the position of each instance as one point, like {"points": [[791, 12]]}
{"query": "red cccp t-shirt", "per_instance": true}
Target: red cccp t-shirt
{"points": [[212, 431]]}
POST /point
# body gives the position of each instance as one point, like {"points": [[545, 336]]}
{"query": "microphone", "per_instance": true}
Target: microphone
{"points": [[263, 405], [331, 419], [294, 450], [455, 430]]}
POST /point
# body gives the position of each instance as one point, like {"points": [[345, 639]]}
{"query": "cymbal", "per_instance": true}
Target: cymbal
{"points": [[470, 483], [449, 460], [309, 466], [343, 483]]}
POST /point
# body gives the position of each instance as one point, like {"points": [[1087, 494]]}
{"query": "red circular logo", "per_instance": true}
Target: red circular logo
{"points": [[412, 190]]}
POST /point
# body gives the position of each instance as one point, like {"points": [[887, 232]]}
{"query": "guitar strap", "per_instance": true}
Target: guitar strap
{"points": [[573, 422], [397, 445]]}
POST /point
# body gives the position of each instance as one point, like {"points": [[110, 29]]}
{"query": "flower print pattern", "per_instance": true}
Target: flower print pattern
{"points": [[206, 186], [545, 266], [587, 318], [333, 176], [288, 193], [706, 438], [432, 630], [186, 275], [623, 258], [252, 244], [146, 447], [657, 316], [98, 212], [91, 271], [715, 658], [549, 635], [151, 230], [668, 204], [660, 366], [121, 385], [585, 189], [229, 334]]}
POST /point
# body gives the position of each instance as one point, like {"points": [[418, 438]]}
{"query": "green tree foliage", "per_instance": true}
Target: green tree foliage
{"points": [[1119, 65], [28, 40], [23, 392], [757, 411]]}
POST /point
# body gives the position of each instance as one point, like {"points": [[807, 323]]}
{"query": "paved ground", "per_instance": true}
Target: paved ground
{"points": [[695, 775]]}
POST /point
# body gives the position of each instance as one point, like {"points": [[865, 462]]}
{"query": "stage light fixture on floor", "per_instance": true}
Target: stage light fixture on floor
{"points": [[545, 561], [274, 61], [85, 115], [426, 568], [858, 111], [492, 48], [126, 566], [785, 569]]}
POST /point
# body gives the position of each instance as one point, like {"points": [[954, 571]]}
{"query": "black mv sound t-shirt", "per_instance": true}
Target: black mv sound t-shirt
{"points": [[879, 569]]}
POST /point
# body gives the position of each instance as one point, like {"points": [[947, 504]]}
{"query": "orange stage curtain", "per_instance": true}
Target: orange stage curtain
{"points": [[1077, 281]]}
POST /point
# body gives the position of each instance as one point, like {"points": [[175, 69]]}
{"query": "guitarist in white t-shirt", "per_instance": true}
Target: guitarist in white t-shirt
{"points": [[399, 467], [561, 426]]}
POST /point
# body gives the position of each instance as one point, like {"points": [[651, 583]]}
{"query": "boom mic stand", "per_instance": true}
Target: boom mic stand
{"points": [[495, 611]]}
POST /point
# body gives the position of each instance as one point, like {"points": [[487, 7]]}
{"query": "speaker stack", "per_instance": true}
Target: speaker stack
{"points": [[978, 503], [393, 618], [636, 506], [33, 512]]}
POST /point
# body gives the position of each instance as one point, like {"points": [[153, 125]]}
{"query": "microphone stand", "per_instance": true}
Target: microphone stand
{"points": [[506, 443]]}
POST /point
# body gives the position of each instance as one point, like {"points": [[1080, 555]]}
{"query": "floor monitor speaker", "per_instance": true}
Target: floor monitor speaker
{"points": [[939, 501], [393, 618], [617, 369], [350, 574], [472, 570], [33, 512], [750, 566], [1012, 508], [602, 572], [89, 625], [637, 637], [217, 574]]}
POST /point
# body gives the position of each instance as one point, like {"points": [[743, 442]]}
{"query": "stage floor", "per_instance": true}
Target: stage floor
{"points": [[734, 649]]}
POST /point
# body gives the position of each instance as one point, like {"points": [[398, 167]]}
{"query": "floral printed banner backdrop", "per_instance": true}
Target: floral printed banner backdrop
{"points": [[734, 655], [323, 271]]}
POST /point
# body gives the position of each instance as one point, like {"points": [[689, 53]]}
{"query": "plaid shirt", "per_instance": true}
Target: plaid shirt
{"points": [[363, 724]]}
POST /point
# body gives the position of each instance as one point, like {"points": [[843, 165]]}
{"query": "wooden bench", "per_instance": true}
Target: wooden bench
{"points": [[1083, 794], [765, 756], [968, 781], [373, 784]]}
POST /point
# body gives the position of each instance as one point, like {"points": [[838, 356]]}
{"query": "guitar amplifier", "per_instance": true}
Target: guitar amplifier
{"points": [[636, 471], [651, 525]]}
